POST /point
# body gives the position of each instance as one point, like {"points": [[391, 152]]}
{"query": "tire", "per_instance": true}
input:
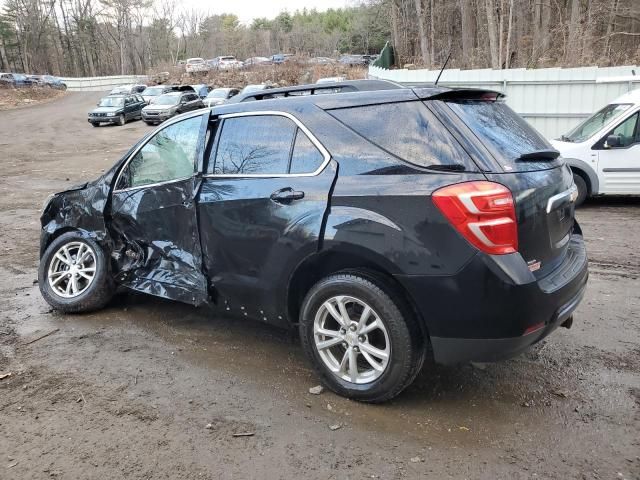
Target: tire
{"points": [[401, 338], [121, 120], [95, 124], [583, 190], [91, 295]]}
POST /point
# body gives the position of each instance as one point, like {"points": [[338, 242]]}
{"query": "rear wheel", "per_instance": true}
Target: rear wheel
{"points": [[362, 340], [73, 274], [583, 190]]}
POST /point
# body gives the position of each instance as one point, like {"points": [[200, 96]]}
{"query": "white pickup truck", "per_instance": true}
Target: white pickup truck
{"points": [[604, 150]]}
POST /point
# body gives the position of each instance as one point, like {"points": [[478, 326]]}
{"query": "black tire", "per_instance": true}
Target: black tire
{"points": [[96, 295], [407, 346], [121, 120], [583, 190], [95, 124]]}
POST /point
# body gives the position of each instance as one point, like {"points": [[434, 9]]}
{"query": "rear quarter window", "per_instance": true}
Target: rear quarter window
{"points": [[408, 131], [504, 133]]}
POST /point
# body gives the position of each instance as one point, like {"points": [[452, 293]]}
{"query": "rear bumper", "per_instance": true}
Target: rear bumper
{"points": [[495, 308], [448, 351]]}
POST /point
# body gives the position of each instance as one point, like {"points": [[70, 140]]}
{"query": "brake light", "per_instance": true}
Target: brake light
{"points": [[482, 212]]}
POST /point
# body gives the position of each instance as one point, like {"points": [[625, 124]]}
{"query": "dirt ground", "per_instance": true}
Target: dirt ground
{"points": [[128, 392], [26, 97]]}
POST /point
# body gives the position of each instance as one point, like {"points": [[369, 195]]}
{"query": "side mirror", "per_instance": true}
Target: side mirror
{"points": [[613, 141]]}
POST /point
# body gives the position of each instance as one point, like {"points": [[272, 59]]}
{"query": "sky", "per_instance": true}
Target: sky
{"points": [[247, 10]]}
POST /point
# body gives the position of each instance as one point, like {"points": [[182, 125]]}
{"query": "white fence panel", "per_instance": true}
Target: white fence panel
{"points": [[553, 100], [101, 84]]}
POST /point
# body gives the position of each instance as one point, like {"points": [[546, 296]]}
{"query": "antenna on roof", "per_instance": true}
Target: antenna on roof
{"points": [[443, 67]]}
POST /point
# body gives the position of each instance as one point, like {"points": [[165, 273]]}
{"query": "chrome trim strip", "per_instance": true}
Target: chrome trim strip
{"points": [[301, 126], [572, 192], [167, 123]]}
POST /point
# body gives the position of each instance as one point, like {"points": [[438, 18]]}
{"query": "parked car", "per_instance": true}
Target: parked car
{"points": [[355, 60], [170, 104], [280, 58], [375, 224], [255, 87], [54, 82], [202, 90], [321, 61], [254, 61], [16, 80], [118, 109], [195, 65], [126, 89], [604, 150], [150, 93], [330, 79], [227, 62], [219, 95]]}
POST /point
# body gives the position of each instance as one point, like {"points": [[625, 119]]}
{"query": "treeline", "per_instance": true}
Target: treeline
{"points": [[105, 37]]}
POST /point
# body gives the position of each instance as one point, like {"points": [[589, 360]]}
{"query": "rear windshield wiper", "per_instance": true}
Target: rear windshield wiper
{"points": [[452, 167], [538, 155]]}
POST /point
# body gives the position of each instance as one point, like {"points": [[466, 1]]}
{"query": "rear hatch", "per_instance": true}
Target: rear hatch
{"points": [[527, 164]]}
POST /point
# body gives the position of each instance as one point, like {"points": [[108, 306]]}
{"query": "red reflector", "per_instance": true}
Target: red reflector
{"points": [[483, 212], [533, 328]]}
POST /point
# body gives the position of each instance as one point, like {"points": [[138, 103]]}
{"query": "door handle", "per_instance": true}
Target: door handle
{"points": [[286, 195]]}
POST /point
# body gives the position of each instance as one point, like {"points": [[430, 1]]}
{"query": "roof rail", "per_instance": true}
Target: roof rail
{"points": [[317, 89]]}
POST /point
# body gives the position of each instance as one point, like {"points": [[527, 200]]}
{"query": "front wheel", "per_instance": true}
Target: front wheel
{"points": [[583, 191], [361, 338], [74, 274], [121, 120]]}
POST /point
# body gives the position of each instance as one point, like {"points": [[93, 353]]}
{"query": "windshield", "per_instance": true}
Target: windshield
{"points": [[19, 76], [594, 123], [112, 102], [191, 61], [227, 58], [152, 92], [166, 100], [217, 94]]}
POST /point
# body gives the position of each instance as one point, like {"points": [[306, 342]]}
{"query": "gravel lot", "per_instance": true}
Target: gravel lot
{"points": [[130, 391]]}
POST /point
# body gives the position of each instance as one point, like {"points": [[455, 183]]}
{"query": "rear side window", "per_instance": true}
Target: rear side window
{"points": [[306, 157], [408, 131], [505, 134], [254, 145]]}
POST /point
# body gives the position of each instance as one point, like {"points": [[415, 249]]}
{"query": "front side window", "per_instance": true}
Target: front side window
{"points": [[626, 131], [169, 155], [254, 145]]}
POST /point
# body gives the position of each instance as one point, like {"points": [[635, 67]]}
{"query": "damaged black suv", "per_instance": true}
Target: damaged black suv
{"points": [[383, 221]]}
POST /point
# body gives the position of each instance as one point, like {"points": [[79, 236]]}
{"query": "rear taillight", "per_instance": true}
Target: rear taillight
{"points": [[483, 212]]}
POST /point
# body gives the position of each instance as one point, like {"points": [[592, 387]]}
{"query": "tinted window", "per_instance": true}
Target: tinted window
{"points": [[407, 130], [306, 157], [505, 134], [254, 145], [169, 155]]}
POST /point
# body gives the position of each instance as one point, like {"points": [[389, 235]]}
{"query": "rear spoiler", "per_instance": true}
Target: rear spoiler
{"points": [[431, 93]]}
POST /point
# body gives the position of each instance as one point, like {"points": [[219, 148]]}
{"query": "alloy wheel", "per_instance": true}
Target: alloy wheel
{"points": [[72, 269], [351, 339]]}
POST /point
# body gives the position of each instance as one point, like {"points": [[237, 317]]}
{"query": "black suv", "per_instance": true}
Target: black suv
{"points": [[378, 222]]}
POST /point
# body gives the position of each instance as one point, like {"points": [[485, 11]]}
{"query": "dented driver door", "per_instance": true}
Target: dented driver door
{"points": [[153, 217]]}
